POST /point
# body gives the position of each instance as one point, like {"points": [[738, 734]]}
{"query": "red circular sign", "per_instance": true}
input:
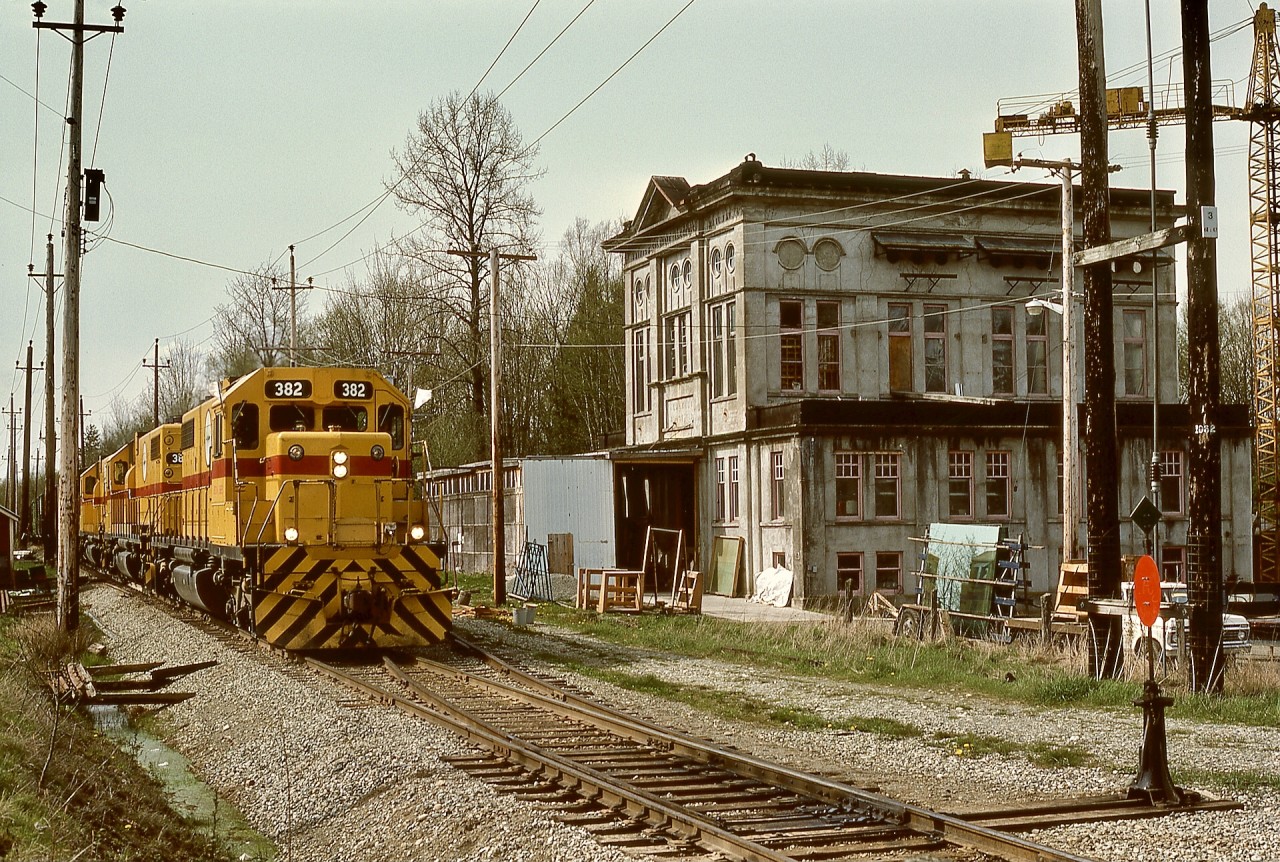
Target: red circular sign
{"points": [[1146, 590]]}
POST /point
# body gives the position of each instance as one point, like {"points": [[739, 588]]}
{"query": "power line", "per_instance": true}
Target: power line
{"points": [[102, 106], [504, 49], [545, 50], [599, 86]]}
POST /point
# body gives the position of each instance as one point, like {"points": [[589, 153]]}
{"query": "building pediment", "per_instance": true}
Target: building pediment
{"points": [[665, 198]]}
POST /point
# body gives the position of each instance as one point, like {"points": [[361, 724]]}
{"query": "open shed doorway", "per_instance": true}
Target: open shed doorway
{"points": [[662, 496]]}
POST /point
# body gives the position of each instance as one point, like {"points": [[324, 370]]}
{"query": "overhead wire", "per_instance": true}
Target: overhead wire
{"points": [[504, 49], [103, 105], [612, 74], [548, 47]]}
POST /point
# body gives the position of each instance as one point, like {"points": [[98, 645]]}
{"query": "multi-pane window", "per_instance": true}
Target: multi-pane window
{"points": [[777, 488], [960, 484], [640, 371], [1134, 334], [849, 571], [724, 353], [1173, 564], [1037, 354], [1171, 481], [722, 488], [732, 505], [935, 348], [899, 315], [888, 484], [829, 345], [675, 330], [998, 484], [848, 485], [889, 571], [791, 344], [1002, 350]]}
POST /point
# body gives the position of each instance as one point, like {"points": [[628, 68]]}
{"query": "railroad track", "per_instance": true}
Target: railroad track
{"points": [[653, 790]]}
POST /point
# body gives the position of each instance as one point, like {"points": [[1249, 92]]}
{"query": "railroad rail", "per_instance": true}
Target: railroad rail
{"points": [[655, 790]]}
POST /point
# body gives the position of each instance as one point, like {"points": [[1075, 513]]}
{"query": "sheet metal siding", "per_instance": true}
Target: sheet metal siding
{"points": [[572, 496]]}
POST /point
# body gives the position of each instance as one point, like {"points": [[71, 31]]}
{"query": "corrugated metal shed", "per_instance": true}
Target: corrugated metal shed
{"points": [[572, 495]]}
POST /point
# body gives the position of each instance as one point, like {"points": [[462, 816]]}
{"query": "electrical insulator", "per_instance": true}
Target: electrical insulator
{"points": [[93, 179], [1155, 473]]}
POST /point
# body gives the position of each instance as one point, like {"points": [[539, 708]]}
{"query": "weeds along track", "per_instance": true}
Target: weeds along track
{"points": [[652, 790]]}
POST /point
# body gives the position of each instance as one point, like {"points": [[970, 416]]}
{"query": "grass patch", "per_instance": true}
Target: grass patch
{"points": [[864, 651], [741, 707], [65, 790], [1238, 781], [1043, 754]]}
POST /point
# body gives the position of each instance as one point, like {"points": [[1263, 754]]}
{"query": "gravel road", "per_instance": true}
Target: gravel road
{"points": [[329, 777]]}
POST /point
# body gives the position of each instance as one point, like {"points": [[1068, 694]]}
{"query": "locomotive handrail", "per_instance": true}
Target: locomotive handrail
{"points": [[266, 518]]}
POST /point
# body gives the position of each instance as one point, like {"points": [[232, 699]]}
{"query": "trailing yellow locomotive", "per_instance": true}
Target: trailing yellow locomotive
{"points": [[283, 504]]}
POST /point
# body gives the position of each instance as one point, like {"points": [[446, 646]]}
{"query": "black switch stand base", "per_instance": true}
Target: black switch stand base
{"points": [[1153, 782]]}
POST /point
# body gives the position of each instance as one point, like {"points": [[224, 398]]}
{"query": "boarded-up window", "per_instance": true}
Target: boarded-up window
{"points": [[899, 347]]}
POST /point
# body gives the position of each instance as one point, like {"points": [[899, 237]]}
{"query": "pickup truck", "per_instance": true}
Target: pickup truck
{"points": [[1164, 634]]}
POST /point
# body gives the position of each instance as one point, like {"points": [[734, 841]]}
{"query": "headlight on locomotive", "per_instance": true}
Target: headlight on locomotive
{"points": [[339, 457], [296, 452], [417, 532], [377, 453], [339, 471], [291, 534]]}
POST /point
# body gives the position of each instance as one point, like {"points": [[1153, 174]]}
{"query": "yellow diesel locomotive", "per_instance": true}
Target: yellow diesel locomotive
{"points": [[283, 504]]}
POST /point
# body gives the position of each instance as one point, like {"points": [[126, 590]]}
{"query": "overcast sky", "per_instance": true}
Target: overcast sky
{"points": [[231, 129]]}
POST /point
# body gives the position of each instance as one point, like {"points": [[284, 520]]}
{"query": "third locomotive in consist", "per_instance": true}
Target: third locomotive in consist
{"points": [[284, 504]]}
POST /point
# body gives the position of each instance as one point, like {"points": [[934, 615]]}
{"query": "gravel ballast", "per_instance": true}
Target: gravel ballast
{"points": [[328, 776]]}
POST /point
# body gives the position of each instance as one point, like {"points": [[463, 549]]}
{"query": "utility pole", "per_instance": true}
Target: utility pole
{"points": [[49, 512], [1065, 170], [1204, 457], [155, 367], [293, 289], [495, 418], [12, 497], [24, 513], [1101, 446], [68, 609]]}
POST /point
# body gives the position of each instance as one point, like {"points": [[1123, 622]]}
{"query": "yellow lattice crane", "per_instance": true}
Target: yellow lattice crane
{"points": [[1263, 114], [1034, 116]]}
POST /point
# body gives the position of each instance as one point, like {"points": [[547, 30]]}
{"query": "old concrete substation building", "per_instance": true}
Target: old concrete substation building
{"points": [[824, 363]]}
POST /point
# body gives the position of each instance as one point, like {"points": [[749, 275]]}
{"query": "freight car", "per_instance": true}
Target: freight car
{"points": [[283, 504]]}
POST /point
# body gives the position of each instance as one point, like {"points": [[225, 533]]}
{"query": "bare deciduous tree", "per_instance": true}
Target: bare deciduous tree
{"points": [[465, 171], [252, 326], [826, 159]]}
